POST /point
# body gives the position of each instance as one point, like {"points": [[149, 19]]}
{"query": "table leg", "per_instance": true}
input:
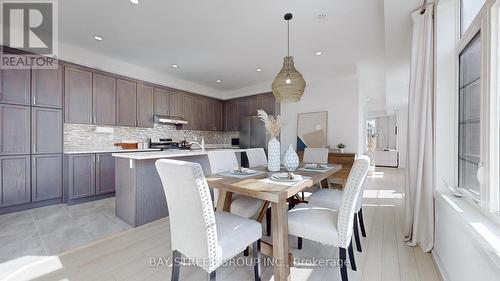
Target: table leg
{"points": [[280, 241], [224, 202]]}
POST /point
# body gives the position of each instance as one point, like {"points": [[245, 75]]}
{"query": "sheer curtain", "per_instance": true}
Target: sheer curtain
{"points": [[419, 203]]}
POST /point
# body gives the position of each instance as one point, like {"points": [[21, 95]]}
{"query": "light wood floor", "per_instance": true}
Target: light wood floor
{"points": [[126, 256]]}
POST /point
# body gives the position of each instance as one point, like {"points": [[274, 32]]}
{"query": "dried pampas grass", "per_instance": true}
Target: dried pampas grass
{"points": [[273, 124]]}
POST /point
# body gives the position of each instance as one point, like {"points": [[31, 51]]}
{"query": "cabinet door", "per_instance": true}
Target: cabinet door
{"points": [[269, 103], [46, 87], [104, 99], [14, 129], [127, 102], [14, 180], [46, 130], [162, 101], [105, 174], [81, 175], [46, 177], [217, 121], [176, 104], [188, 108], [15, 86], [145, 106], [254, 104], [242, 109], [77, 96], [231, 116], [208, 118], [199, 113]]}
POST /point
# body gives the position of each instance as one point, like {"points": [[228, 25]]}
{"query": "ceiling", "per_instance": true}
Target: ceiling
{"points": [[228, 40]]}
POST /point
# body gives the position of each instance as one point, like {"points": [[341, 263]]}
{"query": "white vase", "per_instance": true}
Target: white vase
{"points": [[291, 159], [273, 155], [341, 150]]}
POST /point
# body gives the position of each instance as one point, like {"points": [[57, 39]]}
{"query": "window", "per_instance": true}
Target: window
{"points": [[469, 121], [469, 9]]}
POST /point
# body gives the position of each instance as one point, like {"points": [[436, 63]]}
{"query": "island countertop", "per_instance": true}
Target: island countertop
{"points": [[168, 154]]}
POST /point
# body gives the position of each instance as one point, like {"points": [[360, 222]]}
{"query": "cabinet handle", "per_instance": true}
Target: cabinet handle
{"points": [[34, 100], [34, 148], [98, 159]]}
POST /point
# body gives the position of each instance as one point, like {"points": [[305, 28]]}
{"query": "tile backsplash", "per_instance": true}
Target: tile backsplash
{"points": [[82, 135]]}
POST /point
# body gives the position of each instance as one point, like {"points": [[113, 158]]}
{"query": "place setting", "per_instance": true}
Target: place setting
{"points": [[241, 172], [315, 167]]}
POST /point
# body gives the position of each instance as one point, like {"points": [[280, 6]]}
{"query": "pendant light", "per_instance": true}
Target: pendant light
{"points": [[289, 85]]}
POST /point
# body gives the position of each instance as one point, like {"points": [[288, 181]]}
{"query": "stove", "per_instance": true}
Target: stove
{"points": [[163, 143]]}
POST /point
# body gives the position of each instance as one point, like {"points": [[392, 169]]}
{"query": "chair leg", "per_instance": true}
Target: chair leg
{"points": [[342, 262], [213, 276], [361, 222], [356, 234], [299, 243], [351, 257], [303, 197], [245, 252], [256, 260], [268, 222], [176, 256]]}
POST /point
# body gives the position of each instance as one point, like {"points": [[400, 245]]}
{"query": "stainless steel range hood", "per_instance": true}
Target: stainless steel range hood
{"points": [[164, 119]]}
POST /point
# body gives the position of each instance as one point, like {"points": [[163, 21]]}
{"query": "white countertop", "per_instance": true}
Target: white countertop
{"points": [[168, 154], [91, 150]]}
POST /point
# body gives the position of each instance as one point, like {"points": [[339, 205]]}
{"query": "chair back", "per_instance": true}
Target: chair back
{"points": [[315, 155], [350, 196], [256, 157], [359, 202], [192, 220], [221, 161]]}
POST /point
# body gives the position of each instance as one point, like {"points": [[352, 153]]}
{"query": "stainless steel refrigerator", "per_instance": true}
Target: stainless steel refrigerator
{"points": [[252, 134]]}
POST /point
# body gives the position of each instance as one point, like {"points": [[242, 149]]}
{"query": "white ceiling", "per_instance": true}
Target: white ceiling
{"points": [[229, 40]]}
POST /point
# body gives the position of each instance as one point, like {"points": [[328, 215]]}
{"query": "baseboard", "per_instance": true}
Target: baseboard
{"points": [[439, 265]]}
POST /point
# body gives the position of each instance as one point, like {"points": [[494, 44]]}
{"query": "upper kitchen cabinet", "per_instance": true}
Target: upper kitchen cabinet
{"points": [[15, 86], [126, 92], [242, 110], [162, 101], [269, 103], [78, 96], [104, 99], [199, 113], [145, 106], [176, 103], [46, 130], [14, 129], [230, 116], [213, 115], [218, 112], [46, 87], [254, 104], [188, 108], [15, 180]]}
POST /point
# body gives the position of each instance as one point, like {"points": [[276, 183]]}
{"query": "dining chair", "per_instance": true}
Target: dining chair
{"points": [[314, 155], [256, 157], [205, 237], [332, 227]]}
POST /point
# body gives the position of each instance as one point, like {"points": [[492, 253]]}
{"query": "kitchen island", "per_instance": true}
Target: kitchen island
{"points": [[140, 198]]}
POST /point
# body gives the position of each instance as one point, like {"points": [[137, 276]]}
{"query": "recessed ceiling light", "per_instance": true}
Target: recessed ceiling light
{"points": [[218, 81], [136, 2], [98, 38], [259, 70], [175, 65], [318, 53]]}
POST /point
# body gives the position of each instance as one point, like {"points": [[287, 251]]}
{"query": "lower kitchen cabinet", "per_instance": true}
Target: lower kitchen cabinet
{"points": [[105, 174], [14, 180], [46, 177]]}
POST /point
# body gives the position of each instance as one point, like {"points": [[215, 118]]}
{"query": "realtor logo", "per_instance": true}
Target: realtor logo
{"points": [[30, 28]]}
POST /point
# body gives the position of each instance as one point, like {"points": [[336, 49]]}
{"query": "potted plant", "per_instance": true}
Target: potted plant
{"points": [[341, 147], [273, 127]]}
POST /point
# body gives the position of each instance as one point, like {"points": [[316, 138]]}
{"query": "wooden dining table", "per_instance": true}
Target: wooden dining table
{"points": [[260, 186]]}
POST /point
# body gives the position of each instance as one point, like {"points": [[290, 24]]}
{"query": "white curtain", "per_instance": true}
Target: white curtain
{"points": [[419, 204]]}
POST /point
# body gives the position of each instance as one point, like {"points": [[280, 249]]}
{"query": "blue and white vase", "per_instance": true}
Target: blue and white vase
{"points": [[273, 155], [291, 159]]}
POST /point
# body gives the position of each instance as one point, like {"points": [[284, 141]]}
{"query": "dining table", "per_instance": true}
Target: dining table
{"points": [[275, 193]]}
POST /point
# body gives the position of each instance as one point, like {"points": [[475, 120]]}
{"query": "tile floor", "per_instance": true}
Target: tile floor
{"points": [[58, 228]]}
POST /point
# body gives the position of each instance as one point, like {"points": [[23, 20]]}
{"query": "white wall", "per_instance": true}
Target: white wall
{"points": [[340, 97]]}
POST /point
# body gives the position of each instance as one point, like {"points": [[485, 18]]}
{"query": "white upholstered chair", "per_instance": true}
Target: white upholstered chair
{"points": [[256, 157], [332, 227], [314, 155], [206, 237], [243, 206]]}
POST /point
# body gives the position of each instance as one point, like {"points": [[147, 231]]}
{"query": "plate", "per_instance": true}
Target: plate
{"points": [[243, 172], [283, 177], [313, 166]]}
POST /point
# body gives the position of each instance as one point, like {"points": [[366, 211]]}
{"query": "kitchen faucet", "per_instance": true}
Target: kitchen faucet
{"points": [[202, 145]]}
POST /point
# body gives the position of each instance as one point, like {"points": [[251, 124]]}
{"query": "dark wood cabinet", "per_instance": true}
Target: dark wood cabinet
{"points": [[213, 115], [231, 116], [105, 173], [14, 129], [254, 104], [46, 130], [15, 86], [15, 180], [176, 103], [269, 103], [199, 113], [46, 177], [188, 108], [81, 175], [104, 99], [126, 92], [145, 106], [242, 110], [162, 101], [218, 111], [47, 87], [78, 96]]}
